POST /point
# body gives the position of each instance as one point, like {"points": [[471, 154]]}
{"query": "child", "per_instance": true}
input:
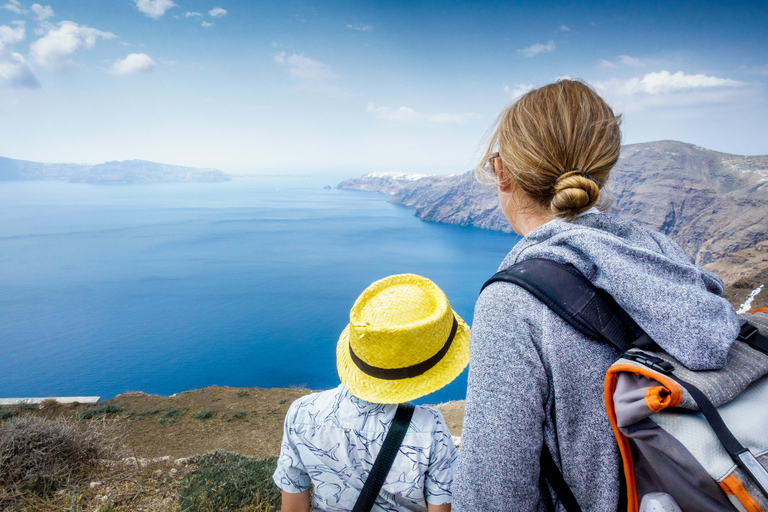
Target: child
{"points": [[403, 341]]}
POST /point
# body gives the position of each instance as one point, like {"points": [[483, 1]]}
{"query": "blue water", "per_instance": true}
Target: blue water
{"points": [[166, 288]]}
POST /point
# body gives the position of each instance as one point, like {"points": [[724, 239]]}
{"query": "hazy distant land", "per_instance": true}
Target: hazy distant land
{"points": [[107, 173]]}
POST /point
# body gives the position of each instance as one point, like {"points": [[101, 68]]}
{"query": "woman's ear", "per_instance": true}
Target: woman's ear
{"points": [[505, 183]]}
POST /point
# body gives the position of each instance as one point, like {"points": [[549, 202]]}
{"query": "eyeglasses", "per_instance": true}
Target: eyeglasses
{"points": [[489, 165]]}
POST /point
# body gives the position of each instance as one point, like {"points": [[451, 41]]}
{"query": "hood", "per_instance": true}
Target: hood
{"points": [[677, 303]]}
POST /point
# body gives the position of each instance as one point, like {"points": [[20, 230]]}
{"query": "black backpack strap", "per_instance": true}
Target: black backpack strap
{"points": [[384, 460], [740, 454], [751, 336], [588, 309], [554, 477]]}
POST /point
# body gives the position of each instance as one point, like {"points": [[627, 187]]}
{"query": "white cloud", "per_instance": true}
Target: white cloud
{"points": [[310, 74], [407, 114], [664, 82], [42, 13], [671, 90], [631, 61], [14, 6], [10, 35], [306, 69], [154, 8], [15, 71], [755, 70], [359, 27], [55, 49], [189, 14], [217, 12], [393, 114], [518, 90], [132, 64], [206, 24], [628, 60], [537, 48], [564, 28]]}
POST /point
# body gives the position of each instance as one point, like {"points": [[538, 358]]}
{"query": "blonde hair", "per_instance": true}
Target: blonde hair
{"points": [[557, 144]]}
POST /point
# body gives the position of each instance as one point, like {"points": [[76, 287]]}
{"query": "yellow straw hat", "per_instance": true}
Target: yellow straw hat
{"points": [[403, 341]]}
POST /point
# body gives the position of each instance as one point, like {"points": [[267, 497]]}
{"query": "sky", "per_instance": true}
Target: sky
{"points": [[299, 86]]}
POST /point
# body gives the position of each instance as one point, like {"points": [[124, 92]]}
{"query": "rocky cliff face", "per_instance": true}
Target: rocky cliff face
{"points": [[711, 203], [384, 182], [128, 171]]}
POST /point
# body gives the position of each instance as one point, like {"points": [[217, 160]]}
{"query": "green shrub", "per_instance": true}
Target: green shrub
{"points": [[26, 406], [203, 414], [143, 415], [6, 413], [242, 393], [229, 482], [171, 415], [237, 415], [98, 412]]}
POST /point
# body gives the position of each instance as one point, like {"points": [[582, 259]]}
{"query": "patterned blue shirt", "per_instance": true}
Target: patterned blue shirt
{"points": [[331, 439]]}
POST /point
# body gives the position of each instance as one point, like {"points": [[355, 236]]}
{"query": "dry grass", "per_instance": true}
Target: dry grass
{"points": [[148, 457], [145, 440], [39, 455], [113, 486]]}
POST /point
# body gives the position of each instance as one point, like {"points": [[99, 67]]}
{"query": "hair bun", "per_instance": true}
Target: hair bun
{"points": [[575, 192]]}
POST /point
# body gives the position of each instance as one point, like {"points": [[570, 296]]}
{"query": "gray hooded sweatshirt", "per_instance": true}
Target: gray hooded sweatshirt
{"points": [[533, 379]]}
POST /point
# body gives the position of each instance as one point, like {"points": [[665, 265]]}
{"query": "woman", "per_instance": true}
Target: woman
{"points": [[533, 379]]}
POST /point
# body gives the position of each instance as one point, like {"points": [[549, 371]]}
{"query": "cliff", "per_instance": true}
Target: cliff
{"points": [[128, 171], [711, 203], [384, 182]]}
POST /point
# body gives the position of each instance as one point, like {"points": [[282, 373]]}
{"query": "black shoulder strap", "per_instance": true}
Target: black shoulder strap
{"points": [[588, 309], [385, 458], [555, 478], [594, 313], [751, 336]]}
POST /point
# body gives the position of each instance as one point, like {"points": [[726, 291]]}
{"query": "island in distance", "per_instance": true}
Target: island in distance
{"points": [[107, 173]]}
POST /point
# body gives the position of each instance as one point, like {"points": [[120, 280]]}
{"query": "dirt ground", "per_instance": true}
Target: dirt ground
{"points": [[248, 421], [156, 434], [743, 272]]}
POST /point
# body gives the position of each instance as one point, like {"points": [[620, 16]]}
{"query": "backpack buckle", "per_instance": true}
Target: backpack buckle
{"points": [[652, 362], [747, 331]]}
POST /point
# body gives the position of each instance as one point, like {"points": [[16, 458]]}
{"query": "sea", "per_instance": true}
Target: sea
{"points": [[164, 288]]}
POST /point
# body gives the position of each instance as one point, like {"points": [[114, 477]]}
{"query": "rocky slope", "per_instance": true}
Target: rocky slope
{"points": [[711, 203], [384, 182], [128, 171]]}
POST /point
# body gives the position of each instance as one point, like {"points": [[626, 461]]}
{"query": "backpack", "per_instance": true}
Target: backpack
{"points": [[699, 436]]}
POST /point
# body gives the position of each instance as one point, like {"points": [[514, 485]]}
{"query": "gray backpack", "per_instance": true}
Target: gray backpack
{"points": [[699, 436]]}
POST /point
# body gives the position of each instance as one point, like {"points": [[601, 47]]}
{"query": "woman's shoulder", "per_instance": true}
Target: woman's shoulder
{"points": [[504, 302]]}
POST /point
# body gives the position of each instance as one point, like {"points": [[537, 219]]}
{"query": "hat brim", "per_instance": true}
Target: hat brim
{"points": [[383, 391]]}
